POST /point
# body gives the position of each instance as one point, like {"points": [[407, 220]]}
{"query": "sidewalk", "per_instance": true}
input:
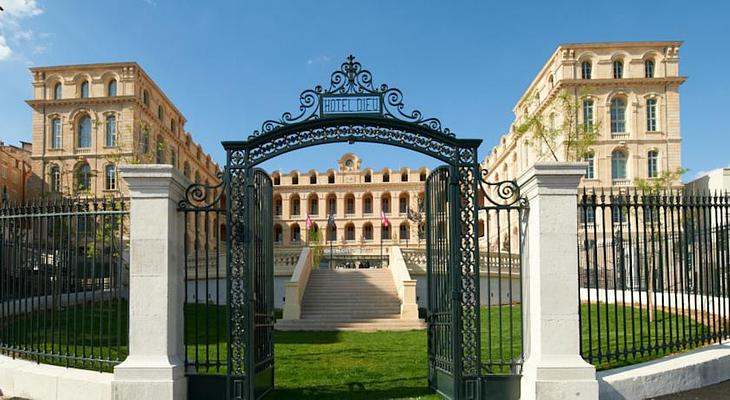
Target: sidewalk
{"points": [[713, 392]]}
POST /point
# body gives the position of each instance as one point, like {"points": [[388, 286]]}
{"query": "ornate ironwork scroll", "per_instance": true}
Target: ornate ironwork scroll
{"points": [[507, 193], [350, 80]]}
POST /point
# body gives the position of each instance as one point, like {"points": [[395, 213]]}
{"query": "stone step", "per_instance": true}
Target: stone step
{"points": [[352, 325]]}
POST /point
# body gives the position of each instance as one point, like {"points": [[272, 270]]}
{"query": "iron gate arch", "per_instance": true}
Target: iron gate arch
{"points": [[352, 109]]}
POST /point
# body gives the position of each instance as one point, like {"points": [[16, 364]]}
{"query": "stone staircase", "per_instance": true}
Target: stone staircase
{"points": [[350, 300]]}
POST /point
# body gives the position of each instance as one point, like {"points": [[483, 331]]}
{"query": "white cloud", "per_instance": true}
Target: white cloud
{"points": [[23, 35], [12, 32], [18, 9], [5, 51], [318, 60]]}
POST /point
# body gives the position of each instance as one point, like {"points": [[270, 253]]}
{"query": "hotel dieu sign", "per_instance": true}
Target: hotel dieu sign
{"points": [[363, 104]]}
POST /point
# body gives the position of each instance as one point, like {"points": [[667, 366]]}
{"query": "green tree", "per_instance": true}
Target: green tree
{"points": [[574, 134]]}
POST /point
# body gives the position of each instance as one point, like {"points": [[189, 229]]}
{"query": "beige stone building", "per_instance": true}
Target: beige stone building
{"points": [[629, 90], [354, 195], [16, 176], [87, 119]]}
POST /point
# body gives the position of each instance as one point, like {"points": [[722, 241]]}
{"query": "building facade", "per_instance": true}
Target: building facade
{"points": [[628, 91], [87, 119], [16, 175], [354, 196]]}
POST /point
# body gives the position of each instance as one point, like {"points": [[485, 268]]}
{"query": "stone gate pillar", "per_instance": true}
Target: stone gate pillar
{"points": [[553, 369], [155, 368]]}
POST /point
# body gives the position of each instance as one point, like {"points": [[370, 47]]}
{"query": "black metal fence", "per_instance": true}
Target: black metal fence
{"points": [[63, 282], [653, 273]]}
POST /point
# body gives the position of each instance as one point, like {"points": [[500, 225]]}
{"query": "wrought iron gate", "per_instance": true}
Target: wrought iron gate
{"points": [[351, 110], [250, 285], [441, 282]]}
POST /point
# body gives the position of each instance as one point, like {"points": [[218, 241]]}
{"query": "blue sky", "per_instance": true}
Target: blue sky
{"points": [[229, 65]]}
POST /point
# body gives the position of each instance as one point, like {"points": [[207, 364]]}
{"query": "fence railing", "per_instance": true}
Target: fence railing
{"points": [[63, 282], [653, 273]]}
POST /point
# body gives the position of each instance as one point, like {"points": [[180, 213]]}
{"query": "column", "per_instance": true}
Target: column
{"points": [[553, 367], [154, 368]]}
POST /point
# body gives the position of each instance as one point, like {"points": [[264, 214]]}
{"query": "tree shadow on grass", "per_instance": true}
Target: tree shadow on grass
{"points": [[357, 391]]}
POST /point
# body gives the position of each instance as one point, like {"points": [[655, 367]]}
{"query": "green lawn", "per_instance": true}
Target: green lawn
{"points": [[336, 365]]}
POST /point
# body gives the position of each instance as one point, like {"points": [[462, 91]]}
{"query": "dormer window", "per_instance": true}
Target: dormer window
{"points": [[57, 91], [84, 92], [586, 70], [649, 69], [618, 69], [112, 88]]}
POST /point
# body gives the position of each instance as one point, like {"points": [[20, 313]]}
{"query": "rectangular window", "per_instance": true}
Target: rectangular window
{"points": [[403, 206], [56, 134], [590, 171], [651, 115], [588, 114], [652, 164], [111, 178]]}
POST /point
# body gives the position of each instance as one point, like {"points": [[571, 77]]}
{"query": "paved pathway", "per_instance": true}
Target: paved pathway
{"points": [[715, 392]]}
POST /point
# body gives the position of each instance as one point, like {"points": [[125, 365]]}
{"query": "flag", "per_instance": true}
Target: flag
{"points": [[309, 223], [383, 219]]}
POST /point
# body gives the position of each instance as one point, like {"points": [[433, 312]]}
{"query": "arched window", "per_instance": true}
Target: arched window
{"points": [[146, 98], [186, 169], [111, 131], [296, 235], [350, 203], [551, 81], [591, 169], [313, 204], [349, 232], [278, 234], [403, 203], [384, 232], [313, 178], [84, 92], [57, 91], [367, 231], [404, 231], [56, 133], [386, 176], [367, 204], [84, 132], [294, 208], [651, 115], [404, 176], [160, 153], [277, 178], [385, 203], [618, 69], [112, 88], [110, 177], [422, 176], [649, 68], [294, 178], [54, 179], [331, 177], [331, 204], [278, 205], [145, 141], [368, 177], [173, 125], [588, 114], [83, 178], [618, 115], [173, 158], [618, 164], [160, 112], [585, 70], [652, 159]]}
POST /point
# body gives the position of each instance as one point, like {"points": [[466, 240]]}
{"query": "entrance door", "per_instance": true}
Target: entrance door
{"points": [[442, 279], [261, 259]]}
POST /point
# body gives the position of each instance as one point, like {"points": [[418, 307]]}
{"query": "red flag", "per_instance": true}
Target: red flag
{"points": [[383, 219], [309, 222]]}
